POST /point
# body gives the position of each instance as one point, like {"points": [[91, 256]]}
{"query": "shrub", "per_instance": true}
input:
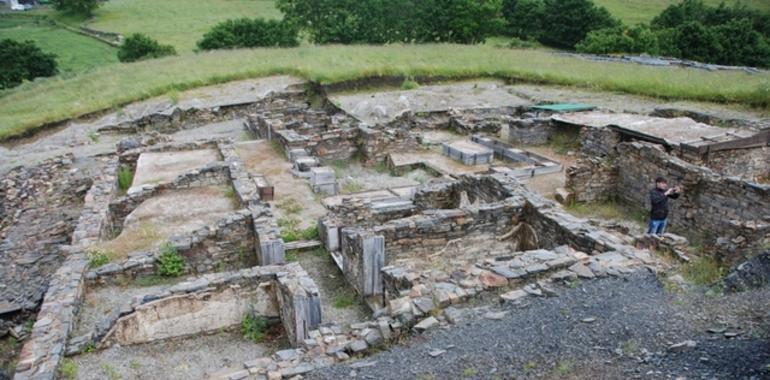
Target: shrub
{"points": [[170, 263], [125, 178], [247, 33], [24, 61], [79, 7], [97, 259], [68, 369], [567, 22], [379, 21], [139, 46], [639, 39], [254, 326]]}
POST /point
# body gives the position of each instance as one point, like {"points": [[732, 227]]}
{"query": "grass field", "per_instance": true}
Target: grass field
{"points": [[636, 11], [54, 99], [180, 23], [74, 52]]}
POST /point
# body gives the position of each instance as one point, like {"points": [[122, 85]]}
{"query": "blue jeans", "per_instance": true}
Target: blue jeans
{"points": [[657, 227]]}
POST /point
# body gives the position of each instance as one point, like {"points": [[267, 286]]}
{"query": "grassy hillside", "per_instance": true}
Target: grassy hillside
{"points": [[74, 52], [636, 11], [180, 23], [54, 99]]}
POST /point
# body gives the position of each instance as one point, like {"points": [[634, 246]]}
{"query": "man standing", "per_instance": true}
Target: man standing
{"points": [[659, 201]]}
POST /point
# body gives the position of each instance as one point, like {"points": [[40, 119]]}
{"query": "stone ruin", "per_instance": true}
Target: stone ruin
{"points": [[413, 253]]}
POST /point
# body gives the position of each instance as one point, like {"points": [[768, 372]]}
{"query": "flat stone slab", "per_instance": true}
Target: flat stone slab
{"points": [[156, 167], [468, 152], [673, 130]]}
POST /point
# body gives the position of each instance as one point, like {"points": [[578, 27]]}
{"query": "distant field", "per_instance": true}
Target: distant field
{"points": [[54, 99], [180, 23], [636, 11], [74, 52]]}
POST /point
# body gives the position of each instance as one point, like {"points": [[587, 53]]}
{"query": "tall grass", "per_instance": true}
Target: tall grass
{"points": [[55, 99]]}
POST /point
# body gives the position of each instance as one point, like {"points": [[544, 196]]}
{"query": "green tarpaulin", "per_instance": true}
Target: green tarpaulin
{"points": [[564, 107]]}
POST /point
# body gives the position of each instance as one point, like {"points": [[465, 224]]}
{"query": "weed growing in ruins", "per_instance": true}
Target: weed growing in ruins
{"points": [[470, 372], [254, 326], [229, 193], [291, 256], [344, 301], [110, 371], [310, 233], [704, 270], [351, 186], [564, 368], [97, 259], [170, 263], [134, 365], [125, 178], [409, 84], [68, 369], [290, 206], [93, 136], [173, 96], [382, 168], [425, 376], [529, 366]]}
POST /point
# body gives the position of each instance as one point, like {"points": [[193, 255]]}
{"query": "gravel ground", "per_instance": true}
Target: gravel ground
{"points": [[601, 329]]}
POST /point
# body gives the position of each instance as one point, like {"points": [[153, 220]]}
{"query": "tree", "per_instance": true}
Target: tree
{"points": [[567, 22], [24, 61], [523, 17], [139, 46], [80, 7], [385, 21], [639, 39]]}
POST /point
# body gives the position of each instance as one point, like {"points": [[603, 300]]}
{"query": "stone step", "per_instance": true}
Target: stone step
{"points": [[302, 245]]}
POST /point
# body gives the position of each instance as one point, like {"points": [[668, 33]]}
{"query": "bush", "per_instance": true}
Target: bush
{"points": [[567, 22], [381, 21], [80, 7], [170, 263], [639, 39], [24, 61], [254, 326], [246, 33], [139, 46], [97, 259], [691, 30], [559, 23]]}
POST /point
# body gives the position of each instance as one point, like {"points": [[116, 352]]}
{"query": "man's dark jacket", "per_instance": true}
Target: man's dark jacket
{"points": [[659, 202]]}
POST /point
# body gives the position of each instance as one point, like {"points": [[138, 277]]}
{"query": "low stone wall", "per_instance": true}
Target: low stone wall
{"points": [[211, 302], [376, 143], [227, 244], [529, 131], [710, 205], [42, 352]]}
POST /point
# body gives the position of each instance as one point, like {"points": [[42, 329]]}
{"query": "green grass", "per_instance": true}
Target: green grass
{"points": [[74, 52], [125, 178], [180, 23], [636, 11], [68, 369], [703, 270], [55, 99], [344, 301]]}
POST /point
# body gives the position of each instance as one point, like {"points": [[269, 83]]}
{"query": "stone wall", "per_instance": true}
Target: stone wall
{"points": [[228, 244], [45, 347], [376, 143], [211, 302], [529, 131], [747, 164], [710, 205], [592, 179], [598, 141]]}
